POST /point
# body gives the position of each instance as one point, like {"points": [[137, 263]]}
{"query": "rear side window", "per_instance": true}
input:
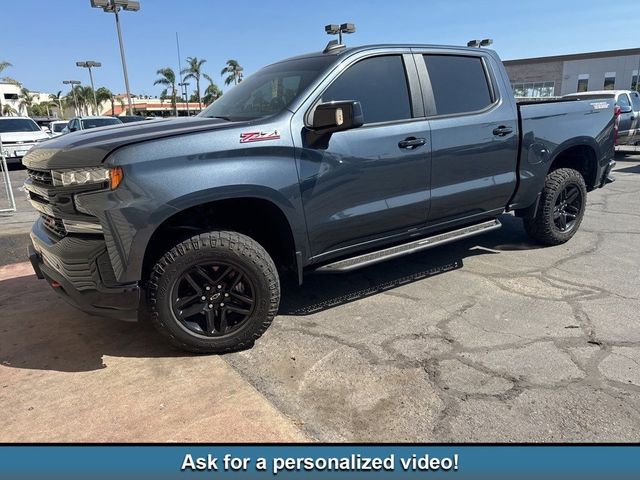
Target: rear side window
{"points": [[379, 84], [459, 83]]}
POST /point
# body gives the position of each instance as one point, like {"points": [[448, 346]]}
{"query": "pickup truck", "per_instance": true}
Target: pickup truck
{"points": [[330, 161]]}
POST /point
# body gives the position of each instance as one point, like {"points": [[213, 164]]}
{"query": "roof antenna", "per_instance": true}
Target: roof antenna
{"points": [[335, 29]]}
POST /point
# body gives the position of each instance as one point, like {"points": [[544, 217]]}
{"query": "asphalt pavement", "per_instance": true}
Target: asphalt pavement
{"points": [[489, 339]]}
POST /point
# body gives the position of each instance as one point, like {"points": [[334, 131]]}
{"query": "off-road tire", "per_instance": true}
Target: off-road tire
{"points": [[542, 227], [226, 246]]}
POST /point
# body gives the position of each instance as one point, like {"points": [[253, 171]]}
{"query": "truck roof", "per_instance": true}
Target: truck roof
{"points": [[338, 51]]}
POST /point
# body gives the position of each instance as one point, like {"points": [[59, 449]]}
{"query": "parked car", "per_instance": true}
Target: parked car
{"points": [[628, 113], [18, 136], [330, 161], [56, 128], [84, 123], [131, 118]]}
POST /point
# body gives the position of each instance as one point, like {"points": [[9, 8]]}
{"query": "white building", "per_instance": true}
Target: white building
{"points": [[10, 95]]}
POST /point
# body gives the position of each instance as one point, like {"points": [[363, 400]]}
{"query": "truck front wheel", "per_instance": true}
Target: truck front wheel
{"points": [[561, 208], [213, 293]]}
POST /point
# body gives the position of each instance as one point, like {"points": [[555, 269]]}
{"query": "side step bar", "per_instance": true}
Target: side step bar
{"points": [[367, 259]]}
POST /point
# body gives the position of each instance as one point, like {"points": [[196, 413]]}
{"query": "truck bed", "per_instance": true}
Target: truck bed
{"points": [[547, 128]]}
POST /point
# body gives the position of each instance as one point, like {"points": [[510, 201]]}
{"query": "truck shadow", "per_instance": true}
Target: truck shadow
{"points": [[40, 331], [323, 291]]}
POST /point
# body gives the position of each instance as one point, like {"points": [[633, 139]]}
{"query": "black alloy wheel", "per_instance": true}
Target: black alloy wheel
{"points": [[213, 299], [567, 208]]}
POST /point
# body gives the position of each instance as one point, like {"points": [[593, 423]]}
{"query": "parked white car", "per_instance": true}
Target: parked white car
{"points": [[56, 127], [84, 123], [628, 114], [18, 135]]}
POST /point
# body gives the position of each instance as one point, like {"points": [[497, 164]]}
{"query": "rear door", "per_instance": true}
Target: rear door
{"points": [[474, 139]]}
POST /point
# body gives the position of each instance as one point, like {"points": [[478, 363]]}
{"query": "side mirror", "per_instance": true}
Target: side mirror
{"points": [[626, 109], [337, 116]]}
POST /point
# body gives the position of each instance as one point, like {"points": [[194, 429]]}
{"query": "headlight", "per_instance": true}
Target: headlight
{"points": [[87, 176]]}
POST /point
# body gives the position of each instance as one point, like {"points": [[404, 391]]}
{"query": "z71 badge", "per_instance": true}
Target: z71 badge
{"points": [[248, 137]]}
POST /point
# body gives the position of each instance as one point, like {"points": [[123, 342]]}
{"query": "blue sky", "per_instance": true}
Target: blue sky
{"points": [[44, 38]]}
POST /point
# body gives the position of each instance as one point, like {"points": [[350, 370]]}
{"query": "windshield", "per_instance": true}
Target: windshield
{"points": [[18, 125], [269, 90], [58, 127], [99, 122]]}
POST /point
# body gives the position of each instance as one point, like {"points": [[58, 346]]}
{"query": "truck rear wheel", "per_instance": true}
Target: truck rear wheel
{"points": [[561, 208], [213, 293]]}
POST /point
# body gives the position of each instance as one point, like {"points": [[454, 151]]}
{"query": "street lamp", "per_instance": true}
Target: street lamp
{"points": [[480, 43], [89, 64], [114, 6], [185, 93], [73, 83], [335, 29]]}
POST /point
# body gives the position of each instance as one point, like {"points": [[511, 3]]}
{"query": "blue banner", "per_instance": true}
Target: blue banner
{"points": [[319, 461]]}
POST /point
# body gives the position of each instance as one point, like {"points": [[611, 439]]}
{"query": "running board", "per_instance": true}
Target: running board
{"points": [[367, 259]]}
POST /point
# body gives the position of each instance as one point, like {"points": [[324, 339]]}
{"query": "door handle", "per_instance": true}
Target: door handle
{"points": [[411, 143], [502, 130]]}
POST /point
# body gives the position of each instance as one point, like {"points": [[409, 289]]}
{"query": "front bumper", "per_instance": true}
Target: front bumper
{"points": [[78, 269], [14, 152]]}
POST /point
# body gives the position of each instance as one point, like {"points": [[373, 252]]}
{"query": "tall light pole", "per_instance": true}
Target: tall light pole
{"points": [[89, 64], [73, 84], [185, 94], [114, 6]]}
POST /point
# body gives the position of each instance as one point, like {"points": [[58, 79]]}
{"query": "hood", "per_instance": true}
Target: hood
{"points": [[90, 147], [23, 136]]}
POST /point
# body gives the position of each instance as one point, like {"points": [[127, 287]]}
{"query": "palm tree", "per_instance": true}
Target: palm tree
{"points": [[168, 79], [58, 100], [103, 94], [8, 110], [194, 70], [233, 70], [212, 92], [26, 100], [4, 65]]}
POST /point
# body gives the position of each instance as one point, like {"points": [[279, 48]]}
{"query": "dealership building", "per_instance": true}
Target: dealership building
{"points": [[562, 74]]}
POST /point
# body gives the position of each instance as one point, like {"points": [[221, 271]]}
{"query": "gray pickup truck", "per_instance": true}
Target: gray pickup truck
{"points": [[330, 161]]}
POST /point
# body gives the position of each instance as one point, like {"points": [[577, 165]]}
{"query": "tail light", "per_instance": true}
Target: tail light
{"points": [[616, 121]]}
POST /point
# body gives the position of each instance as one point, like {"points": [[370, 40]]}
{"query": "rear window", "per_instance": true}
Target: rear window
{"points": [[18, 125], [99, 122], [459, 83], [58, 127]]}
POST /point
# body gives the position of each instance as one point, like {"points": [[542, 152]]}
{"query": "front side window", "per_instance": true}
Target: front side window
{"points": [[623, 101], [459, 83], [379, 84], [269, 90], [18, 125]]}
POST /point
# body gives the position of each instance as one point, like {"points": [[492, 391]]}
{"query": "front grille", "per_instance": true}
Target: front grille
{"points": [[40, 176], [54, 225]]}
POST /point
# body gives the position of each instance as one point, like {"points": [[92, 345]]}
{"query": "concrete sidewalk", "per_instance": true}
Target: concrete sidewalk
{"points": [[69, 377]]}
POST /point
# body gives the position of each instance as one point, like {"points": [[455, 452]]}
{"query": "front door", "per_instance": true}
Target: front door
{"points": [[367, 183]]}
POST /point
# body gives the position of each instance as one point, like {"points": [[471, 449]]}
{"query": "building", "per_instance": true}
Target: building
{"points": [[148, 106], [11, 101], [562, 74]]}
